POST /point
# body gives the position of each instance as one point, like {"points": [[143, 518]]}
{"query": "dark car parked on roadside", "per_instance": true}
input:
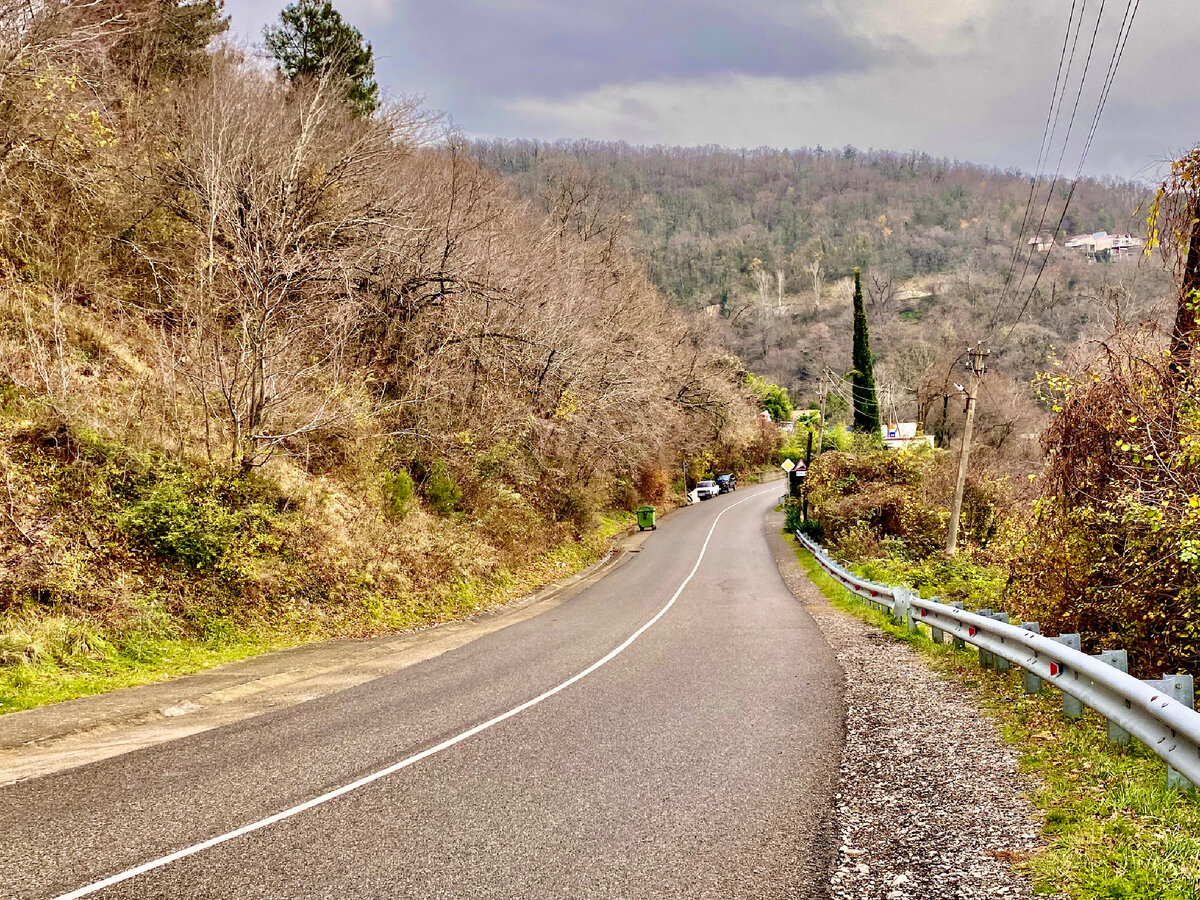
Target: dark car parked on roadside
{"points": [[727, 483]]}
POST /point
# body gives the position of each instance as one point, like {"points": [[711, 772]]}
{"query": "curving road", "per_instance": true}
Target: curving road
{"points": [[652, 737]]}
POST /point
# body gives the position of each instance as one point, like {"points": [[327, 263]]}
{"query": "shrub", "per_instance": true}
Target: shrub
{"points": [[441, 493], [172, 521], [572, 507], [625, 495], [511, 523], [837, 437], [653, 484], [793, 514], [876, 491], [397, 494]]}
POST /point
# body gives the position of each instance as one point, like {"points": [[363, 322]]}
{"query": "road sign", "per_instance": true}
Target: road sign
{"points": [[788, 465]]}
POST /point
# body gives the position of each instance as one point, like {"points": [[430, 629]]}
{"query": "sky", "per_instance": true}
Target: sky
{"points": [[966, 79]]}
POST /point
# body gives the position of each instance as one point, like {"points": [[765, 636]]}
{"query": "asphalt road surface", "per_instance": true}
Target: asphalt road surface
{"points": [[652, 737]]}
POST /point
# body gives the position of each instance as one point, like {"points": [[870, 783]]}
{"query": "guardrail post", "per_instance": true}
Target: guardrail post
{"points": [[1181, 689], [986, 659], [999, 663], [959, 643], [1119, 660], [902, 608], [1033, 683], [1072, 706], [936, 634], [914, 618]]}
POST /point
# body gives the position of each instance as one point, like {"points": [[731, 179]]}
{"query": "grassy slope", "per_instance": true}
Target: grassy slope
{"points": [[1113, 830], [102, 665]]}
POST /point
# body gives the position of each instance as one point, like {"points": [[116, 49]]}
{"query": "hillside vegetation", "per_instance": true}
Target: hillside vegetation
{"points": [[274, 365], [765, 241]]}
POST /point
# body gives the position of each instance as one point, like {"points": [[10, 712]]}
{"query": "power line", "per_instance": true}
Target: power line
{"points": [[1131, 8], [1047, 139], [1063, 152]]}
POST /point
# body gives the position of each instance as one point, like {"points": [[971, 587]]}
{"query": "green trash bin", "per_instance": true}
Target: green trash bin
{"points": [[645, 516]]}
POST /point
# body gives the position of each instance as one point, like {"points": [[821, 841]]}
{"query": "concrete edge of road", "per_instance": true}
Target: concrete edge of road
{"points": [[72, 733]]}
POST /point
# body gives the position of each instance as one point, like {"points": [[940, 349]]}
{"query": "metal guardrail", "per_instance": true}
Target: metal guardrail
{"points": [[1158, 713]]}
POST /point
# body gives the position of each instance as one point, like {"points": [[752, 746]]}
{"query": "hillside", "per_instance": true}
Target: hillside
{"points": [[764, 241], [272, 368]]}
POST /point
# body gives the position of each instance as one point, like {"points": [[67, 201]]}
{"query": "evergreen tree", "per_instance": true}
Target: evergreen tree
{"points": [[171, 40], [312, 38], [862, 378]]}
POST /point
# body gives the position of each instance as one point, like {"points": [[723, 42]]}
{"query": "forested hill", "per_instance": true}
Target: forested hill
{"points": [[278, 361], [765, 238]]}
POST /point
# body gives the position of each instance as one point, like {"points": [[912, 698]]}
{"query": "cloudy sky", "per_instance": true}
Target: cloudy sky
{"points": [[970, 79]]}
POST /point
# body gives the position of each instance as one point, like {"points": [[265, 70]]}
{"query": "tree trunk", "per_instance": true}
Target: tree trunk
{"points": [[1184, 334]]}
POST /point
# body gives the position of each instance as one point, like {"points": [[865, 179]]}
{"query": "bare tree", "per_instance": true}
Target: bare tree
{"points": [[881, 290], [289, 210], [818, 279]]}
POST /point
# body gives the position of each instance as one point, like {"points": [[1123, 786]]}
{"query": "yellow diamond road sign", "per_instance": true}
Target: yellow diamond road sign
{"points": [[788, 465]]}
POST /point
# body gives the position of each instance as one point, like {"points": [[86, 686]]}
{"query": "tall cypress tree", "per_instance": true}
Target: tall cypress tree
{"points": [[862, 378]]}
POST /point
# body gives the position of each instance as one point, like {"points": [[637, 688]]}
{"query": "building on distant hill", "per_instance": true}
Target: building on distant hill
{"points": [[1104, 246], [1042, 243]]}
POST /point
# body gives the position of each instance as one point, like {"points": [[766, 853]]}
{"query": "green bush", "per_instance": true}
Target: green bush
{"points": [[441, 493], [397, 494], [793, 515], [951, 578], [181, 524], [837, 437], [196, 518]]}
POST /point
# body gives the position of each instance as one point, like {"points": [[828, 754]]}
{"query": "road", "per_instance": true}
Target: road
{"points": [[672, 731]]}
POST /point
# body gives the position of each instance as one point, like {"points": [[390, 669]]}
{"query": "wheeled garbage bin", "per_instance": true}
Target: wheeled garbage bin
{"points": [[645, 516]]}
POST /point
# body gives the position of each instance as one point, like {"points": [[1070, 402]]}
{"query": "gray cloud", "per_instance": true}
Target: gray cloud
{"points": [[553, 47], [963, 78]]}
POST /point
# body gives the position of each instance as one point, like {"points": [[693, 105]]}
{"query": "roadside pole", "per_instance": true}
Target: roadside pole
{"points": [[976, 366], [821, 421]]}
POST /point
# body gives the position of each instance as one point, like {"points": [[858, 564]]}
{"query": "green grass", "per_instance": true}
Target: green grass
{"points": [[65, 657], [1112, 829], [28, 685]]}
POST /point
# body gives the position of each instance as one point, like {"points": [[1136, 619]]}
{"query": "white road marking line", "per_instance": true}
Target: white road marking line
{"points": [[89, 889]]}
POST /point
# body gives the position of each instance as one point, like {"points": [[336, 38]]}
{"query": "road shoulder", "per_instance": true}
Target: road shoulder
{"points": [[64, 735], [930, 802]]}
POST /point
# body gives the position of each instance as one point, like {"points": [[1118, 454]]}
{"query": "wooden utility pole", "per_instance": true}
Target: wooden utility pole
{"points": [[976, 366]]}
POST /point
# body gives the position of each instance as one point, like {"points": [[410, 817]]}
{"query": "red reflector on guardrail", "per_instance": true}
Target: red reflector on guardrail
{"points": [[1054, 669], [970, 631], [924, 613]]}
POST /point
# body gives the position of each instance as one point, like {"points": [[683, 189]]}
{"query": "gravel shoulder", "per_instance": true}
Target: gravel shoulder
{"points": [[930, 802]]}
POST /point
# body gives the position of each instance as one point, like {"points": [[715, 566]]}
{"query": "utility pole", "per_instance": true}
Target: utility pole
{"points": [[821, 421], [976, 366]]}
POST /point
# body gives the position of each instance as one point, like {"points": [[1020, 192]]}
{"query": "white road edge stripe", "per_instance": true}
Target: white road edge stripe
{"points": [[89, 889]]}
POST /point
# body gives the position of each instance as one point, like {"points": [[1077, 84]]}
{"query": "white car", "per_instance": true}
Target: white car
{"points": [[707, 489]]}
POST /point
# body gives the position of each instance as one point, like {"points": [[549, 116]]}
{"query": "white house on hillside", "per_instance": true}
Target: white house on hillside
{"points": [[1101, 242]]}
